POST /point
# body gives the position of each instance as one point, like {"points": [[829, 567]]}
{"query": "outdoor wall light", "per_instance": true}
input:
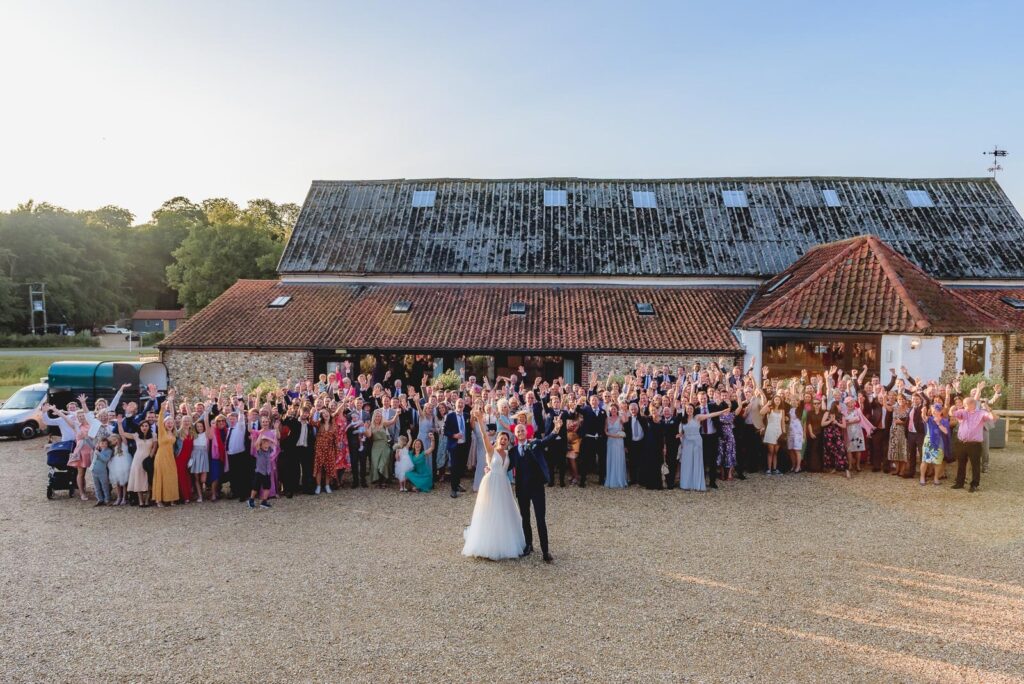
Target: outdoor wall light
{"points": [[915, 342]]}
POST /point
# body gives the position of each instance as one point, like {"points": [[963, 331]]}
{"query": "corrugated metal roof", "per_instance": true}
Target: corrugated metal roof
{"points": [[481, 227]]}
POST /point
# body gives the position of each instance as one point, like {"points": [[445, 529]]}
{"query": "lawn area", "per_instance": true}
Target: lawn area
{"points": [[19, 369]]}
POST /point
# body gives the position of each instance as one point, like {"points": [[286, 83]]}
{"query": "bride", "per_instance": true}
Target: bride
{"points": [[496, 530]]}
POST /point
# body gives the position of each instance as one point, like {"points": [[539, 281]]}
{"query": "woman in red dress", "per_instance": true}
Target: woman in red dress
{"points": [[341, 461], [186, 433]]}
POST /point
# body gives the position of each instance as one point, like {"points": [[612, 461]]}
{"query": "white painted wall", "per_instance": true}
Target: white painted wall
{"points": [[924, 362], [751, 341]]}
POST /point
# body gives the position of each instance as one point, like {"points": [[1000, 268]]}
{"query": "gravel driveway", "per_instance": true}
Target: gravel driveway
{"points": [[791, 578]]}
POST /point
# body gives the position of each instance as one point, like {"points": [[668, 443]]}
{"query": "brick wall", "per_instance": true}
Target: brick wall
{"points": [[190, 370], [617, 363], [1015, 370]]}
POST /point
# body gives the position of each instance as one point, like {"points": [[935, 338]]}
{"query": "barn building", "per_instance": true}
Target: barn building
{"points": [[570, 276]]}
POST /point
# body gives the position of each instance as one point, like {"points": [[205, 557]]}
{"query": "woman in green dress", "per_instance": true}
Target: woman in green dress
{"points": [[420, 477], [380, 452]]}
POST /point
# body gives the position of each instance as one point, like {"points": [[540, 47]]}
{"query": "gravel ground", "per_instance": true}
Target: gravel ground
{"points": [[792, 578]]}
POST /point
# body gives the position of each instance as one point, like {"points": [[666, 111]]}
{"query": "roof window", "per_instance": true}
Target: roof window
{"points": [[644, 199], [831, 198], [777, 284], [517, 308], [423, 198], [402, 306], [1015, 302], [279, 302], [556, 198], [919, 198], [645, 308], [734, 198]]}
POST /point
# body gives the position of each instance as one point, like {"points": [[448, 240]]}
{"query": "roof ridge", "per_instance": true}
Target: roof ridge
{"points": [[659, 179], [880, 250]]}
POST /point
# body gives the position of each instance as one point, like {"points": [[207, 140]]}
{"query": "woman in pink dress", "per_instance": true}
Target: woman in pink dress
{"points": [[81, 457]]}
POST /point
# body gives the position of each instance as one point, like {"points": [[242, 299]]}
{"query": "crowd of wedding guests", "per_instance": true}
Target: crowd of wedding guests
{"points": [[688, 429]]}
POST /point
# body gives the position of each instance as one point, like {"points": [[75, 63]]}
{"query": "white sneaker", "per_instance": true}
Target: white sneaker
{"points": [[317, 489], [328, 488], [768, 472]]}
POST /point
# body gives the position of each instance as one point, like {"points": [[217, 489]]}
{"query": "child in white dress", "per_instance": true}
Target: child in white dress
{"points": [[120, 468], [403, 462]]}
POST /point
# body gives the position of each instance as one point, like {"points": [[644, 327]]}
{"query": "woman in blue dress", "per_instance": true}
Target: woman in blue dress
{"points": [[615, 471], [691, 451], [420, 477]]}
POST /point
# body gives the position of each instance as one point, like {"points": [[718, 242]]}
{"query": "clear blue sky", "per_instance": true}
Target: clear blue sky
{"points": [[131, 103]]}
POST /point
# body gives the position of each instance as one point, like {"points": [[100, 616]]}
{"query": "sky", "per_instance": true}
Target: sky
{"points": [[132, 103]]}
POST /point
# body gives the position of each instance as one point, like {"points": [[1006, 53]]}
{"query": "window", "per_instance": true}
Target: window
{"points": [[974, 355], [279, 302], [734, 198], [644, 199], [778, 283], [1015, 302], [423, 198], [919, 198], [831, 198], [556, 198], [517, 308], [645, 308], [402, 306]]}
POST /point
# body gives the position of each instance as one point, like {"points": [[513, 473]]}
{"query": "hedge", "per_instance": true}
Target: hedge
{"points": [[37, 341]]}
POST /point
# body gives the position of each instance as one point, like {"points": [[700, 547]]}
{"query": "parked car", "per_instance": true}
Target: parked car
{"points": [[135, 337], [114, 330], [22, 416]]}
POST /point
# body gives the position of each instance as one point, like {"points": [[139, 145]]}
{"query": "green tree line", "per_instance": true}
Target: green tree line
{"points": [[100, 265]]}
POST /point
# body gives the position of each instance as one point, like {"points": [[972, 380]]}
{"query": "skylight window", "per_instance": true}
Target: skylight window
{"points": [[423, 198], [644, 199], [280, 301], [919, 198], [831, 198], [734, 198], [556, 198], [402, 306], [777, 284], [645, 308], [1015, 302], [517, 308]]}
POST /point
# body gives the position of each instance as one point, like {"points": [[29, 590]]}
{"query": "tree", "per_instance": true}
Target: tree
{"points": [[150, 247], [232, 243], [80, 262]]}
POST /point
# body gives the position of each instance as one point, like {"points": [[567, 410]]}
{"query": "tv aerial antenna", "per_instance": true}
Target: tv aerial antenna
{"points": [[996, 155]]}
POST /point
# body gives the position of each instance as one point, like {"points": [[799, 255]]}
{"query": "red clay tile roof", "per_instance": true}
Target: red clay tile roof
{"points": [[465, 317], [993, 301], [159, 314], [862, 285]]}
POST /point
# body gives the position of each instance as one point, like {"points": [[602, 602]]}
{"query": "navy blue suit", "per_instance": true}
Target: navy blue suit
{"points": [[531, 475], [457, 453]]}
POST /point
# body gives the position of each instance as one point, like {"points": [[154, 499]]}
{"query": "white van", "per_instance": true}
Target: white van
{"points": [[22, 416]]}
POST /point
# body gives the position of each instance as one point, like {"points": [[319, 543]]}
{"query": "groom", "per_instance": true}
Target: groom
{"points": [[527, 457]]}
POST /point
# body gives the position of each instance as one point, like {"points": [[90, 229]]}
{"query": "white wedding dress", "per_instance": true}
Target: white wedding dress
{"points": [[496, 530]]}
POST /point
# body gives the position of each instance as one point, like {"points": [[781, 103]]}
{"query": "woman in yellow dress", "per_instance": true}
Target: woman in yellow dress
{"points": [[165, 471]]}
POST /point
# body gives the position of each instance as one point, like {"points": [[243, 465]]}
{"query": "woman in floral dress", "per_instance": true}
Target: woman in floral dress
{"points": [[727, 445], [935, 434], [898, 436], [833, 442], [342, 462]]}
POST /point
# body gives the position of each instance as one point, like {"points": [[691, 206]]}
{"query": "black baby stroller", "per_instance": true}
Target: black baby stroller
{"points": [[61, 477]]}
